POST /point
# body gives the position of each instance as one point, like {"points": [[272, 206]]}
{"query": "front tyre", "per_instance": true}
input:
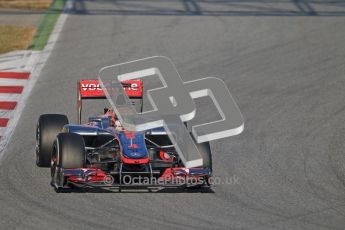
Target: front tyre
{"points": [[68, 153]]}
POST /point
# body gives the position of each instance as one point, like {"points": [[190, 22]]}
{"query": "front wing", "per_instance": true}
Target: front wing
{"points": [[172, 177]]}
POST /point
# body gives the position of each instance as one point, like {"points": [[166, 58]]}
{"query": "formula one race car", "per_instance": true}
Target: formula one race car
{"points": [[101, 153]]}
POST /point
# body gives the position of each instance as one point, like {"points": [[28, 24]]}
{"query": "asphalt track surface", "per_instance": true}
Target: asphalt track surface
{"points": [[283, 61]]}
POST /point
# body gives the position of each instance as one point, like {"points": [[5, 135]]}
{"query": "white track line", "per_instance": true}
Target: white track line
{"points": [[2, 131], [37, 68], [14, 82], [9, 97], [19, 60], [6, 113]]}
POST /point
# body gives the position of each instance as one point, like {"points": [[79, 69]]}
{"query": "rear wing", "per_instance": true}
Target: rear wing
{"points": [[91, 89]]}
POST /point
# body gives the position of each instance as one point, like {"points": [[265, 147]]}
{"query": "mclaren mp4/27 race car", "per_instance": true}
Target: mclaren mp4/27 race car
{"points": [[101, 153]]}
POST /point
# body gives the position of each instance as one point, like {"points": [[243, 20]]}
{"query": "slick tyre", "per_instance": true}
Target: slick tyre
{"points": [[70, 151], [48, 127]]}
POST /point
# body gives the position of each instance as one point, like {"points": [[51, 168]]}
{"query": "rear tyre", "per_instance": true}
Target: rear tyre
{"points": [[48, 127]]}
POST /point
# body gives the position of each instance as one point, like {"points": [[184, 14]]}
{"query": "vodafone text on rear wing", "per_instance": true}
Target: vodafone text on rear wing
{"points": [[90, 89]]}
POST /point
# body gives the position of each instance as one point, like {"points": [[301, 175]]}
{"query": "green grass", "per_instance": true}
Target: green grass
{"points": [[46, 25]]}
